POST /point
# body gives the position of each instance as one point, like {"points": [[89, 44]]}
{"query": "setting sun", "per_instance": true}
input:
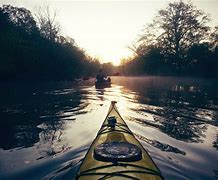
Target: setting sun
{"points": [[105, 29]]}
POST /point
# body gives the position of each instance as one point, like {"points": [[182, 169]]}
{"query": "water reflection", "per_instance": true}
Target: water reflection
{"points": [[13, 136], [175, 119], [100, 94], [161, 146], [215, 142], [178, 110], [24, 108], [50, 138]]}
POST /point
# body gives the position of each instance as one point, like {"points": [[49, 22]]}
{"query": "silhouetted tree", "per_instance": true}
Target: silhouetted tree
{"points": [[91, 66], [175, 29], [48, 26], [177, 42], [183, 26], [16, 40], [29, 52], [214, 37], [108, 68], [199, 58], [20, 17], [153, 61]]}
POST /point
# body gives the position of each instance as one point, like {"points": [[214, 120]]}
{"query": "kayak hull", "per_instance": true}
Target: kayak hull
{"points": [[141, 167], [100, 85]]}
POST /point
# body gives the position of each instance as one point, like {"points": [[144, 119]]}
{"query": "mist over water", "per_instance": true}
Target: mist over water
{"points": [[46, 129]]}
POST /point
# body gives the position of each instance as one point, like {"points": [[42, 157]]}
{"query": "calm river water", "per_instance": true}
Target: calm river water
{"points": [[46, 129]]}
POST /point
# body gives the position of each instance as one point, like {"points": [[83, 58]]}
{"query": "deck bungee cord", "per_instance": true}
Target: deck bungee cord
{"points": [[115, 153]]}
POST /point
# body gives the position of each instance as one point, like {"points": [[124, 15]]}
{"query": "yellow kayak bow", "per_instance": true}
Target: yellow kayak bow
{"points": [[117, 154]]}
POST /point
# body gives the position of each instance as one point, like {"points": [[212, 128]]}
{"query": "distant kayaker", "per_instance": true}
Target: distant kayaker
{"points": [[100, 76]]}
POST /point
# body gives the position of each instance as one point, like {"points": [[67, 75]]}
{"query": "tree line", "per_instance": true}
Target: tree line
{"points": [[33, 48], [177, 42]]}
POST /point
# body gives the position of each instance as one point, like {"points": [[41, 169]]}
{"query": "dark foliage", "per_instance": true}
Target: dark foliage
{"points": [[178, 42], [28, 55]]}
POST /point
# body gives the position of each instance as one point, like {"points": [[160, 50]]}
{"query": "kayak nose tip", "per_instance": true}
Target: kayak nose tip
{"points": [[113, 102]]}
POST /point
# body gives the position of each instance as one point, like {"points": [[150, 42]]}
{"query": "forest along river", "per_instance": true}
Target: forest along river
{"points": [[46, 129]]}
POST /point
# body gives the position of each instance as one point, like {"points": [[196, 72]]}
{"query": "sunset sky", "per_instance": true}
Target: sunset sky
{"points": [[105, 28]]}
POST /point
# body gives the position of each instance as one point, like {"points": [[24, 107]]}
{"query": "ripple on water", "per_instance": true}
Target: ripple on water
{"points": [[48, 128]]}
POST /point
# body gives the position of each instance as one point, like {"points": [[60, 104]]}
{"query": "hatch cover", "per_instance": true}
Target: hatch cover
{"points": [[117, 151]]}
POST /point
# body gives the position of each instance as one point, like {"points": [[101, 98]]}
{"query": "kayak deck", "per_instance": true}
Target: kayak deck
{"points": [[117, 154]]}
